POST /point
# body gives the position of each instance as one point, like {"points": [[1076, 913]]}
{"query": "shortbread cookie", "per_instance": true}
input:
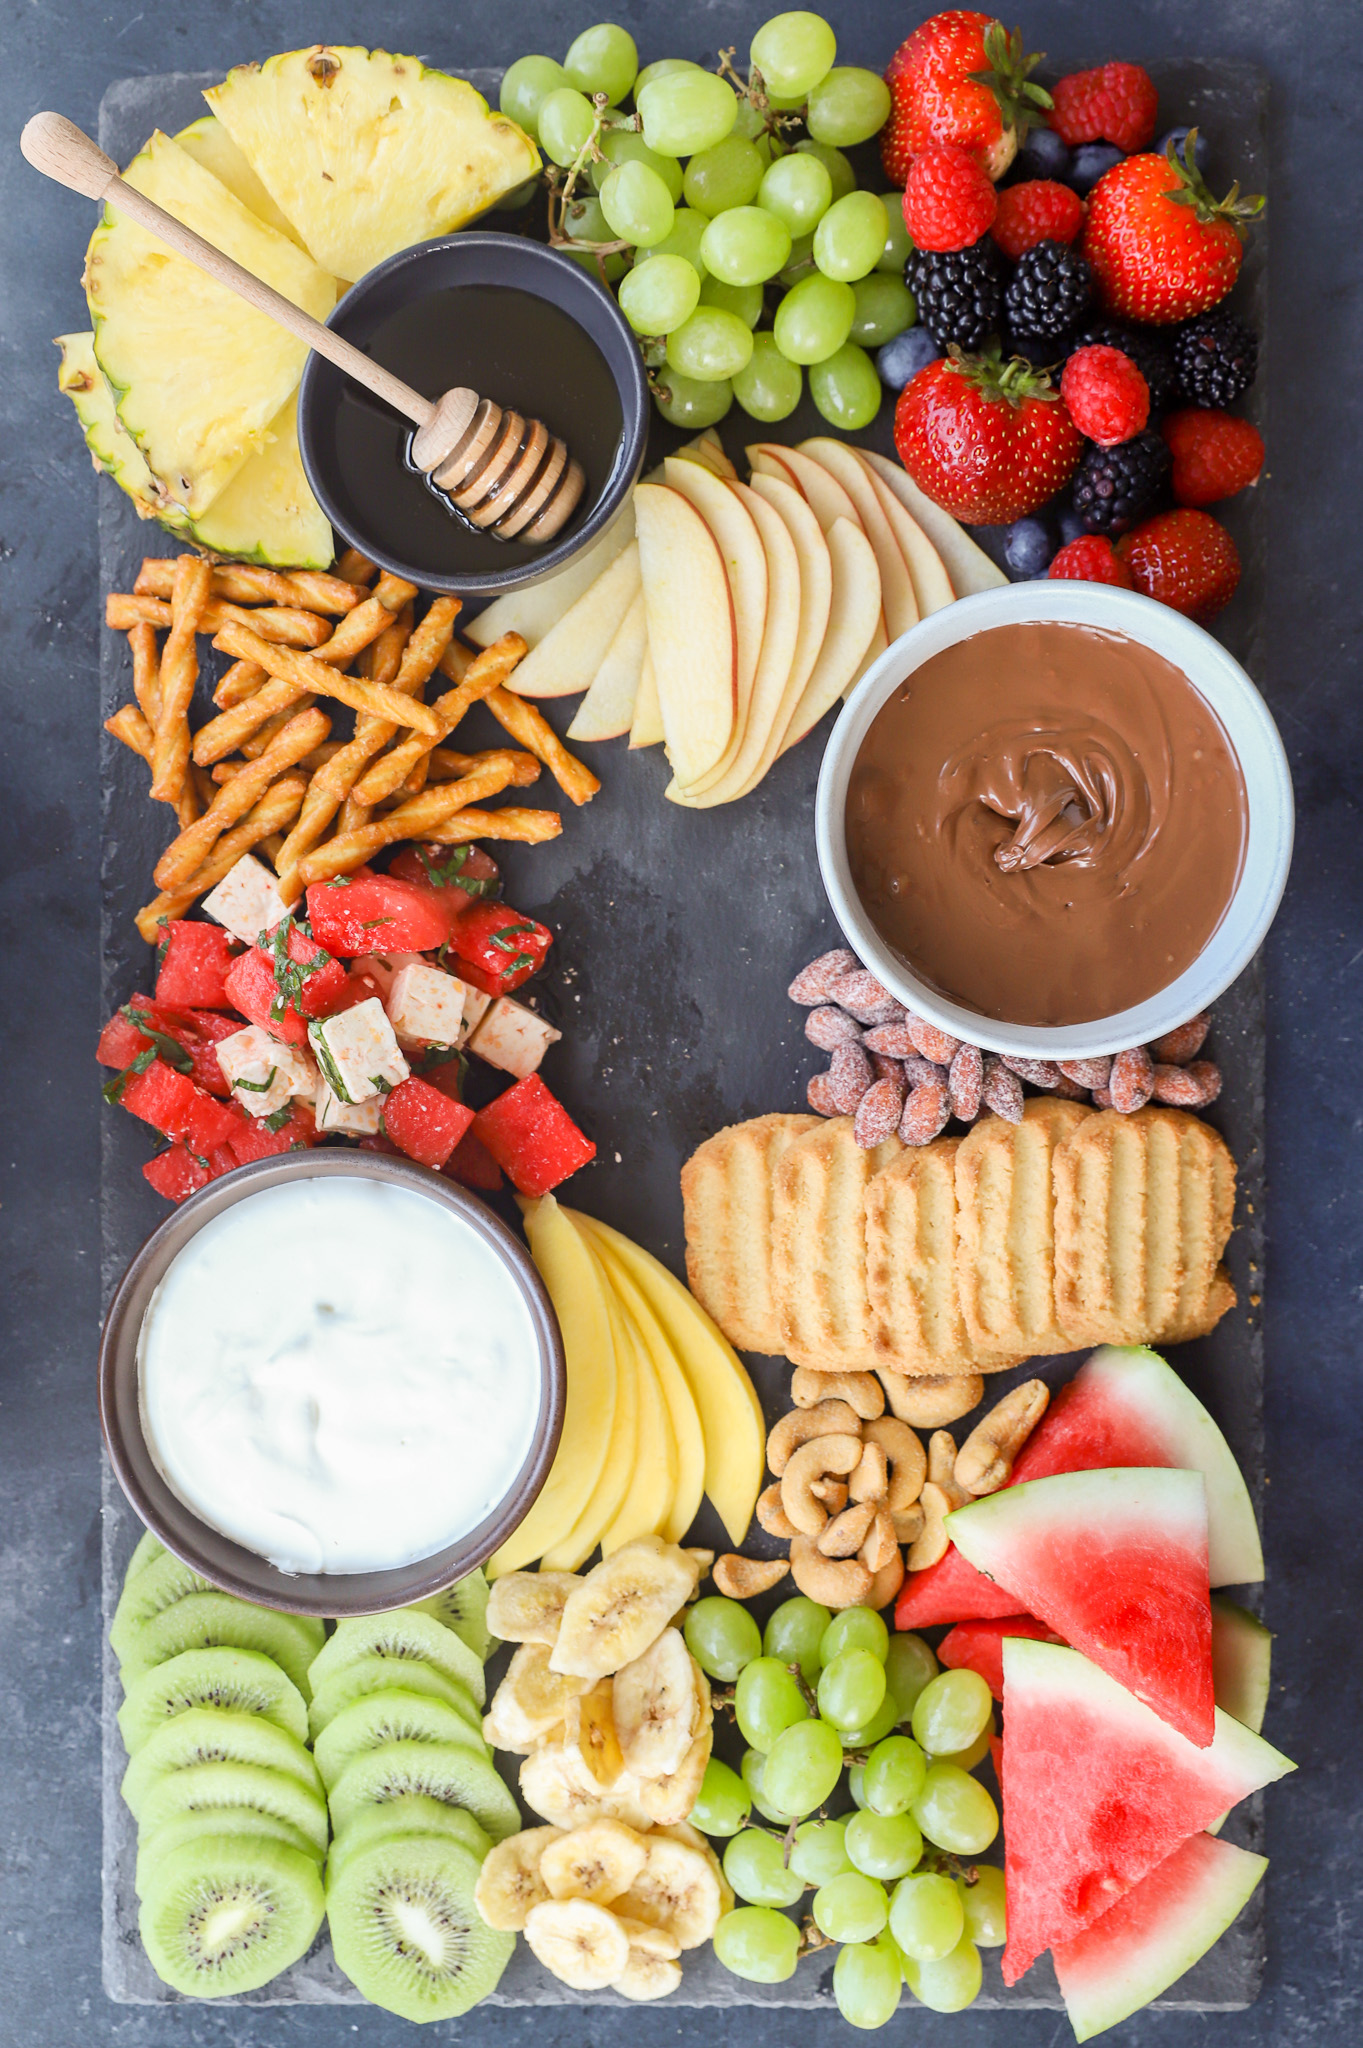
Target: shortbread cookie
{"points": [[1005, 1241], [911, 1264], [727, 1195], [819, 1250]]}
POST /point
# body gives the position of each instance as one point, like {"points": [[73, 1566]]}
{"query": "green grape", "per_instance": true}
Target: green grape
{"points": [[793, 52], [566, 120], [710, 345], [800, 263], [894, 1775], [526, 85], [834, 162], [766, 1698], [975, 1752], [635, 201], [744, 301], [759, 1944], [887, 1716], [847, 106], [851, 235], [856, 1628], [851, 1907], [614, 265], [852, 1686], [768, 388], [856, 1786], [602, 59], [694, 403], [867, 1979], [884, 1845], [949, 1713], [909, 1664], [686, 111], [684, 240], [720, 1634], [955, 1811], [512, 202], [625, 146], [885, 307], [798, 190], [755, 1866], [846, 389], [660, 68], [795, 1629], [986, 1910], [898, 241], [754, 1764], [803, 1766], [584, 220], [723, 1802], [952, 1983], [926, 1916], [655, 298], [746, 245], [727, 175], [819, 1850]]}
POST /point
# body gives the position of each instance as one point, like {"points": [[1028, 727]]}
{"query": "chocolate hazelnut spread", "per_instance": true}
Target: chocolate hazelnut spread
{"points": [[1047, 822]]}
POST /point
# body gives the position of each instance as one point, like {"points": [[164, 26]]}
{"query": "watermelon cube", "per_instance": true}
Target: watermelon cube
{"points": [[498, 948], [978, 1646], [290, 1130], [282, 991], [532, 1137], [176, 1173], [193, 971], [950, 1590], [174, 1105], [378, 913], [473, 1166], [423, 1123]]}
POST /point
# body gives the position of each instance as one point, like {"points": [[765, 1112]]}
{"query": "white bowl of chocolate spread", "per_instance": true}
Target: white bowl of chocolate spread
{"points": [[1055, 819]]}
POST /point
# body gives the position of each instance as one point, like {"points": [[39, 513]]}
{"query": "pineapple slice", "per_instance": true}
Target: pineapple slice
{"points": [[367, 153], [112, 448], [209, 143], [197, 375]]}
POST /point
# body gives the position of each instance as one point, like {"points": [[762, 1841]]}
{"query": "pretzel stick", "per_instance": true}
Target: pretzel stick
{"points": [[412, 820], [179, 673], [277, 807], [135, 731], [223, 771], [236, 797], [528, 725], [484, 675], [297, 628], [244, 583], [303, 674], [385, 658], [511, 822], [255, 746], [146, 670], [241, 681], [354, 567]]}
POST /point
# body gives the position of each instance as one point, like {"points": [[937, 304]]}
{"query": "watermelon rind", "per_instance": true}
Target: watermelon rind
{"points": [[1242, 1659], [1154, 1935]]}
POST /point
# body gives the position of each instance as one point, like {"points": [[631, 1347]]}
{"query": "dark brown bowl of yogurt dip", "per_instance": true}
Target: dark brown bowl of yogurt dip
{"points": [[1055, 819]]}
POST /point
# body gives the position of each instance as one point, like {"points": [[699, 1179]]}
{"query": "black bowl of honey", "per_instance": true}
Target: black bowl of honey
{"points": [[522, 325]]}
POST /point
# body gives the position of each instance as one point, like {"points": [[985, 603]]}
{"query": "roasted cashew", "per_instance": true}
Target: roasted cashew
{"points": [[880, 1545], [847, 1532], [984, 1462], [908, 1524], [860, 1390], [822, 1457], [942, 1467], [886, 1583], [832, 1581], [931, 1545], [772, 1517], [929, 1402], [828, 1418], [871, 1479], [742, 1578], [832, 1493], [905, 1457]]}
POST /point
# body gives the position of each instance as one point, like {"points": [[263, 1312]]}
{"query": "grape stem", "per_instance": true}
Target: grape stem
{"points": [[812, 1939], [563, 186], [753, 89]]}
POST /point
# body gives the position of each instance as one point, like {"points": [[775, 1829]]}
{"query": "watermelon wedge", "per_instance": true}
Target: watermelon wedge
{"points": [[950, 1590], [1098, 1790], [978, 1646], [1129, 1407], [1150, 1938], [1242, 1655], [1116, 1564]]}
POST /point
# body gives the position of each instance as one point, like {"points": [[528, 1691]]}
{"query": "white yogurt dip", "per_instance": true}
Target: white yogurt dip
{"points": [[339, 1374]]}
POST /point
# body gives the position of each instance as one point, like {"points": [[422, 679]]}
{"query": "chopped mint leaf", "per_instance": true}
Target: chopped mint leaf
{"points": [[279, 1118], [328, 1065], [257, 1087], [502, 939], [113, 1089], [444, 874], [166, 1048], [371, 923]]}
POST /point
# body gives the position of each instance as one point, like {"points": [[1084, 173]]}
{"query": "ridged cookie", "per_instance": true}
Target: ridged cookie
{"points": [[727, 1195], [911, 1264], [819, 1250], [1005, 1241]]}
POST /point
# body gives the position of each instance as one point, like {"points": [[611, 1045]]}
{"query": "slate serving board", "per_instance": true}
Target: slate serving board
{"points": [[677, 933]]}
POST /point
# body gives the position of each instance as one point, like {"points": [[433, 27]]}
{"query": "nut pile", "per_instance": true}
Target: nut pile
{"points": [[897, 1075]]}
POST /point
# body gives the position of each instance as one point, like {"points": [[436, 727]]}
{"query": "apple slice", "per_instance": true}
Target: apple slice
{"points": [[532, 613], [816, 580], [931, 584], [853, 622], [607, 710], [774, 664], [823, 490], [709, 449], [566, 660], [646, 727], [691, 634], [745, 564], [968, 566], [898, 602]]}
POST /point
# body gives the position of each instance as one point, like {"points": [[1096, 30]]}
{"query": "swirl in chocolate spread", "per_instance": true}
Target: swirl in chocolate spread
{"points": [[1047, 822]]}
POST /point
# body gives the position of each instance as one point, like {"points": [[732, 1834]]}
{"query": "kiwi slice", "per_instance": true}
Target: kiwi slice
{"points": [[463, 1607], [381, 1674], [410, 1815], [146, 1550], [439, 1770], [215, 1735], [390, 1717], [221, 1820], [241, 1680], [402, 1635], [406, 1932], [201, 1787], [227, 1913], [159, 1584], [213, 1621]]}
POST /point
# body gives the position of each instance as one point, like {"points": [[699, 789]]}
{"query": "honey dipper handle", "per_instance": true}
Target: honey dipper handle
{"points": [[60, 150]]}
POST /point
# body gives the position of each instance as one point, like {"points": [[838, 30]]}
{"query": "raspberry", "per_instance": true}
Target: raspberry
{"points": [[1107, 396], [1215, 455], [1038, 211], [1116, 103], [1091, 559], [948, 201], [1184, 559]]}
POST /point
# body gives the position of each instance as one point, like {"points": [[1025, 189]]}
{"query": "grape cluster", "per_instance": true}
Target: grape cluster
{"points": [[887, 1887], [693, 245]]}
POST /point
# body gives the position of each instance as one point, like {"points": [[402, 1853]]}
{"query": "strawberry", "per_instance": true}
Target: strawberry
{"points": [[1038, 210], [1186, 560], [1091, 559], [1108, 398], [1215, 455], [948, 201], [989, 441], [960, 79], [1160, 246], [1116, 103]]}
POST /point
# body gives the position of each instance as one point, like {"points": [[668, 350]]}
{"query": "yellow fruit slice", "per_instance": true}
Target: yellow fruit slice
{"points": [[367, 153], [209, 143], [607, 1497], [268, 514], [112, 448], [647, 1504]]}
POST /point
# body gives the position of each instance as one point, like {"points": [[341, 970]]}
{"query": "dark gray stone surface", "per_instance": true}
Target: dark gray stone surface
{"points": [[1307, 658]]}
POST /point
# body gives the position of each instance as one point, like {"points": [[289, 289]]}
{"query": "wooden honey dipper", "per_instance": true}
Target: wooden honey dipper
{"points": [[504, 473]]}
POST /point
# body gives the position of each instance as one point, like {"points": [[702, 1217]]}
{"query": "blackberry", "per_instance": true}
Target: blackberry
{"points": [[959, 291], [1050, 290], [1148, 349], [1114, 486], [1215, 358]]}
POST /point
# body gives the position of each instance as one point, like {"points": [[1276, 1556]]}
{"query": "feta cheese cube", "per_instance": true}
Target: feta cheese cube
{"points": [[357, 1119], [357, 1052], [512, 1037], [476, 1007], [263, 1073], [426, 1006], [246, 900]]}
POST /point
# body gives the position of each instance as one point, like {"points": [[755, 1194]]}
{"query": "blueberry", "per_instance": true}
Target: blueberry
{"points": [[1089, 163], [1028, 548], [1202, 149], [1071, 524], [901, 359], [1042, 155]]}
